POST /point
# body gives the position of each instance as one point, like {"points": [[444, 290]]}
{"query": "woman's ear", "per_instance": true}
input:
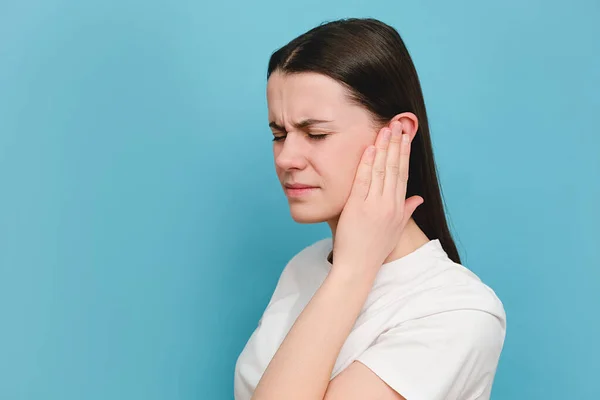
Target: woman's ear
{"points": [[410, 123]]}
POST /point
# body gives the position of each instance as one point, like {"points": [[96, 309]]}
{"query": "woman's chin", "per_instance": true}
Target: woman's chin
{"points": [[307, 218], [307, 214]]}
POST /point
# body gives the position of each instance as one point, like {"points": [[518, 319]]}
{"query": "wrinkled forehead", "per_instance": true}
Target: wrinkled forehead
{"points": [[292, 97]]}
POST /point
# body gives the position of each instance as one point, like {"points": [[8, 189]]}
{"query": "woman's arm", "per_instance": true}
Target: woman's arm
{"points": [[302, 366]]}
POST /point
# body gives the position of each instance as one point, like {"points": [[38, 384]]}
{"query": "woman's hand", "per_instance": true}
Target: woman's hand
{"points": [[377, 210]]}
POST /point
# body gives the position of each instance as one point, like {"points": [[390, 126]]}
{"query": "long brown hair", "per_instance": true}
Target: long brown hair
{"points": [[370, 59]]}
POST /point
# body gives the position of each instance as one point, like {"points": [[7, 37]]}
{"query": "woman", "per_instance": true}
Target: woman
{"points": [[383, 309]]}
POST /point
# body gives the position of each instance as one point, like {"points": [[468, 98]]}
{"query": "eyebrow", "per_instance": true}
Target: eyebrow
{"points": [[305, 123]]}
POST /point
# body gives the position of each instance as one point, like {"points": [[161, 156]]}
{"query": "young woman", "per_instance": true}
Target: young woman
{"points": [[383, 309]]}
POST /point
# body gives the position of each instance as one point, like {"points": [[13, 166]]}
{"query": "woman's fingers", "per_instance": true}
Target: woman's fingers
{"points": [[403, 171], [392, 168], [379, 165], [362, 180], [383, 168]]}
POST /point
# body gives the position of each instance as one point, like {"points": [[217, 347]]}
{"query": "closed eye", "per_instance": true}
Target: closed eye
{"points": [[315, 137]]}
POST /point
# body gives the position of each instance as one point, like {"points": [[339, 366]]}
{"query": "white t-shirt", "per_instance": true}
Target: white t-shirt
{"points": [[429, 328]]}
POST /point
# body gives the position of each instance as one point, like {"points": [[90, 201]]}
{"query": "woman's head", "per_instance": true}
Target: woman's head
{"points": [[319, 137], [357, 75]]}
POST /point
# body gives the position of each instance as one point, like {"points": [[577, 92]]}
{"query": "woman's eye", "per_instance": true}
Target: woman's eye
{"points": [[316, 137]]}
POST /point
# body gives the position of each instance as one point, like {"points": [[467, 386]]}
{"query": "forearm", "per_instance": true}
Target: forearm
{"points": [[302, 365]]}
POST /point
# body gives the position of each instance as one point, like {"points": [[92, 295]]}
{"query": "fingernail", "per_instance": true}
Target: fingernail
{"points": [[386, 134], [405, 138]]}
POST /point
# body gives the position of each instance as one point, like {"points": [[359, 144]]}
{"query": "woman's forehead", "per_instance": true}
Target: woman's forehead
{"points": [[302, 96]]}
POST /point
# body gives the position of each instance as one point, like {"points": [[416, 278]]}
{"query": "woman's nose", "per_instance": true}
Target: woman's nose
{"points": [[291, 153]]}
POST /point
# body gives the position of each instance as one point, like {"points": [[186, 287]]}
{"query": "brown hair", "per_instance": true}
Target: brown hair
{"points": [[370, 59]]}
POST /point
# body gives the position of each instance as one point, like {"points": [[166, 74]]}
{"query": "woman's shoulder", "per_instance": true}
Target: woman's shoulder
{"points": [[461, 286], [447, 286], [429, 283]]}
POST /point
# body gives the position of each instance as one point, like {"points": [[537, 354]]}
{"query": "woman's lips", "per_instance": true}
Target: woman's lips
{"points": [[299, 191]]}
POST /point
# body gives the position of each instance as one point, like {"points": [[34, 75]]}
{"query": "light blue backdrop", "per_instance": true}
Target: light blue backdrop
{"points": [[142, 229]]}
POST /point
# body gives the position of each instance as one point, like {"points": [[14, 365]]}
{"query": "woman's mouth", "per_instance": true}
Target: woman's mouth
{"points": [[299, 190]]}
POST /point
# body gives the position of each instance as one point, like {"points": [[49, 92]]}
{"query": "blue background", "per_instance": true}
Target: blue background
{"points": [[142, 228]]}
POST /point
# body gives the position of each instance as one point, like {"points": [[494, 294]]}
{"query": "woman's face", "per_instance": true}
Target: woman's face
{"points": [[328, 163]]}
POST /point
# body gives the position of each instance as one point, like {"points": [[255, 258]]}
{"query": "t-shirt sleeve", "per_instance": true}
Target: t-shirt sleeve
{"points": [[447, 356]]}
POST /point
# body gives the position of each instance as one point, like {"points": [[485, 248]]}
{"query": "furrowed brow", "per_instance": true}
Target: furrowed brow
{"points": [[299, 125]]}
